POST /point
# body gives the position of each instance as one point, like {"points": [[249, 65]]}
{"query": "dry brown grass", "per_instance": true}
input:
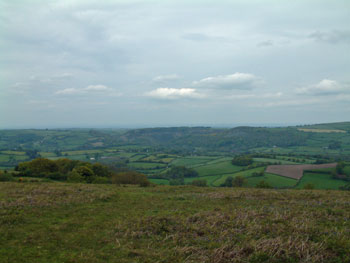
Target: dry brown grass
{"points": [[50, 194]]}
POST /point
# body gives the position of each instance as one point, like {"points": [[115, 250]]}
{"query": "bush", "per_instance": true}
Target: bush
{"points": [[101, 170], [130, 177], [75, 177], [100, 180], [178, 181], [6, 177], [238, 181], [258, 174], [180, 172], [65, 169], [340, 168], [345, 187], [228, 182], [263, 184], [243, 160], [309, 186], [38, 166], [199, 182]]}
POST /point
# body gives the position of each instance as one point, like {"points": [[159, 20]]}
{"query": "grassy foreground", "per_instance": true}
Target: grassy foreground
{"points": [[56, 222]]}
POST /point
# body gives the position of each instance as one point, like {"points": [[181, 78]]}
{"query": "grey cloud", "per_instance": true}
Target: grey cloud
{"points": [[202, 37], [266, 43], [333, 37], [69, 45]]}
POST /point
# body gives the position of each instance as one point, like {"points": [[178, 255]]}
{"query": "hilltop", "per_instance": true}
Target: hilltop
{"points": [[104, 223]]}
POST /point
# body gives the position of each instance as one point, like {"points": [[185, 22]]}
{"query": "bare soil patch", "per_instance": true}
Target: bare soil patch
{"points": [[296, 171]]}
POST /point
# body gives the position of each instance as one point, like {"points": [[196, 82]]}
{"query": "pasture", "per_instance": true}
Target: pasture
{"points": [[320, 181], [219, 168], [245, 174]]}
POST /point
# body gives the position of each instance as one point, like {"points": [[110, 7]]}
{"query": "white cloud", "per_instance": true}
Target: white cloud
{"points": [[89, 89], [165, 78], [97, 88], [171, 93], [68, 91], [324, 87], [234, 81]]}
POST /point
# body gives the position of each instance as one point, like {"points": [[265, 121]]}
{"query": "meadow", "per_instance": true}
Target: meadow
{"points": [[60, 222], [320, 181]]}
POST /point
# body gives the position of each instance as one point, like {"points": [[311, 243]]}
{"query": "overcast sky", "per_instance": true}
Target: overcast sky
{"points": [[131, 63]]}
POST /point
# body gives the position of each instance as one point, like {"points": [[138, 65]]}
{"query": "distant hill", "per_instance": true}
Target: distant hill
{"points": [[235, 139], [318, 139], [344, 126]]}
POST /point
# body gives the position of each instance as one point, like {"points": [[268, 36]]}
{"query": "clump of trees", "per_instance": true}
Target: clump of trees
{"points": [[6, 177], [199, 182], [180, 172], [263, 184], [340, 168], [177, 181], [177, 174], [339, 172], [237, 181], [345, 187], [242, 160], [258, 174], [309, 186], [130, 177], [79, 172], [65, 170]]}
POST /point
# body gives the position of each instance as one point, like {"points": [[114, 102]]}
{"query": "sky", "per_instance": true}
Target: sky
{"points": [[99, 63]]}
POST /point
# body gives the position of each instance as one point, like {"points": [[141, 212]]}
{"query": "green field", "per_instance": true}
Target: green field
{"points": [[144, 165], [273, 180], [12, 152], [137, 157], [190, 161], [18, 158], [210, 179], [217, 168], [245, 173], [160, 181], [320, 181], [274, 161], [55, 222], [347, 169]]}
